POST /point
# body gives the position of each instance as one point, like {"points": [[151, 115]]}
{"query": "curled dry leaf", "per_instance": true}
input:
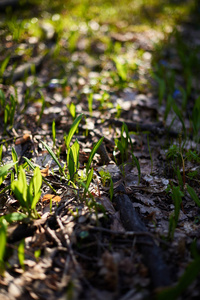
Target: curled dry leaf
{"points": [[48, 197], [45, 172]]}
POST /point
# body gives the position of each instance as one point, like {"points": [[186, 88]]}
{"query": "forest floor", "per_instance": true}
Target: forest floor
{"points": [[104, 100]]}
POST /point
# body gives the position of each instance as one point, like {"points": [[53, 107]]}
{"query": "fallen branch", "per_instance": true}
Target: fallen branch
{"points": [[152, 254]]}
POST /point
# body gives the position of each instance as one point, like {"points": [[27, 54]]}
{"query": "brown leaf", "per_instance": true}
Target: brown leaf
{"points": [[45, 172], [26, 137], [48, 197]]}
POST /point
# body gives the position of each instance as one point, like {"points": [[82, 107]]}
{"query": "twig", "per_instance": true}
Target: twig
{"points": [[127, 233]]}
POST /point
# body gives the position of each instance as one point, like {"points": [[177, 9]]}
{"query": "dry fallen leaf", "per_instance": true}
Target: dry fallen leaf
{"points": [[48, 197], [45, 172], [26, 137]]}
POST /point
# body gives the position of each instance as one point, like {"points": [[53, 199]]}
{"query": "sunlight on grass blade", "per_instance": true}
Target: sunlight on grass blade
{"points": [[37, 180], [73, 158], [4, 65], [52, 155], [72, 130], [72, 110], [31, 165], [89, 179], [21, 254], [94, 150], [15, 159], [4, 170], [90, 102], [3, 229], [54, 132]]}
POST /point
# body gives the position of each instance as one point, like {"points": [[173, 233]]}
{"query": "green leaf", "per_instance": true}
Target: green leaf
{"points": [[19, 188], [22, 183], [21, 255], [73, 130], [73, 158], [121, 68], [72, 110], [90, 101], [1, 152], [4, 169], [92, 153], [75, 149], [4, 65], [18, 194], [35, 200], [30, 193], [37, 180], [120, 148], [193, 195], [3, 230], [2, 98], [14, 217]]}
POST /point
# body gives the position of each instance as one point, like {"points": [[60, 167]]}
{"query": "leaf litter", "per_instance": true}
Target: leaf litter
{"points": [[84, 248]]}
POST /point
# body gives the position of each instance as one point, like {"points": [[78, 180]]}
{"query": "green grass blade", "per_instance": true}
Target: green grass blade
{"points": [[21, 253], [73, 130], [94, 150], [89, 179], [52, 155], [2, 99], [4, 65], [31, 165], [15, 159], [186, 279], [193, 195], [70, 162], [72, 110], [54, 132], [3, 230], [90, 101]]}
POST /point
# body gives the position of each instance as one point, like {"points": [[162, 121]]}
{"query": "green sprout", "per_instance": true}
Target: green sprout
{"points": [[28, 195]]}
